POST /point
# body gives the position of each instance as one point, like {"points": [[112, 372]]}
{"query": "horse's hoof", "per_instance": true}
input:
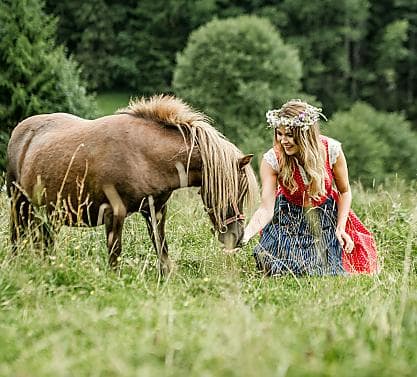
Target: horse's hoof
{"points": [[165, 268]]}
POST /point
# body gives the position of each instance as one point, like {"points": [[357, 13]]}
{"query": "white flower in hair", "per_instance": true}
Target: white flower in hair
{"points": [[309, 116]]}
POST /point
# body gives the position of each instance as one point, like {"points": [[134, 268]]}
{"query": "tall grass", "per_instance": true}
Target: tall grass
{"points": [[67, 314]]}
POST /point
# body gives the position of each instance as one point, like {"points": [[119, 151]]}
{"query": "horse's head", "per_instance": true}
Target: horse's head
{"points": [[229, 226]]}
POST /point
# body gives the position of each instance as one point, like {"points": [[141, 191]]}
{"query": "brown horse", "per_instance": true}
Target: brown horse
{"points": [[89, 172]]}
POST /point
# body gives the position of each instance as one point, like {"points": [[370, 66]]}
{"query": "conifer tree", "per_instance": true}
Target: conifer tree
{"points": [[35, 75]]}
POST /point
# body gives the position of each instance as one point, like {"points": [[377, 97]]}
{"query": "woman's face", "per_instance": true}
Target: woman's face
{"points": [[286, 138]]}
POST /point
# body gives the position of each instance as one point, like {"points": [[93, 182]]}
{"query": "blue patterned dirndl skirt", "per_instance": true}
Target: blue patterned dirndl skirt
{"points": [[300, 241]]}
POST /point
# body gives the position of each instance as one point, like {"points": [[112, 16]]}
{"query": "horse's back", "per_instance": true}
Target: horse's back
{"points": [[58, 148], [23, 135], [29, 127], [137, 156]]}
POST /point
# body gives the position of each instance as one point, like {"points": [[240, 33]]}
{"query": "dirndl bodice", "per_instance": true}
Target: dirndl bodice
{"points": [[301, 238]]}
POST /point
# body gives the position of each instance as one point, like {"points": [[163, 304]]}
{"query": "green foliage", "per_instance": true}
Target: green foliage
{"points": [[92, 31], [351, 49], [109, 102], [36, 76], [236, 69], [390, 52], [328, 35], [391, 49], [376, 144], [128, 45]]}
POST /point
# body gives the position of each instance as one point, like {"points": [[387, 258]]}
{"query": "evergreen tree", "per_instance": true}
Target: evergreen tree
{"points": [[129, 44], [391, 58], [35, 76], [94, 31], [328, 35]]}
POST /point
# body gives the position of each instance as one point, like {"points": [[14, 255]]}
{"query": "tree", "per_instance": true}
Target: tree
{"points": [[329, 37], [377, 144], [391, 60], [36, 77], [129, 44], [235, 69], [93, 32]]}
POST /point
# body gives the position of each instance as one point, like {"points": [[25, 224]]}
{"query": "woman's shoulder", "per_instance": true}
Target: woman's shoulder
{"points": [[271, 158], [333, 146], [329, 139]]}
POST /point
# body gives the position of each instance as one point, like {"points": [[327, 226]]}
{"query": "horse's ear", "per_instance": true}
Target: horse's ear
{"points": [[245, 160]]}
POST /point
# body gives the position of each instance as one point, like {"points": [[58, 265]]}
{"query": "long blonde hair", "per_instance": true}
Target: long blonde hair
{"points": [[311, 155]]}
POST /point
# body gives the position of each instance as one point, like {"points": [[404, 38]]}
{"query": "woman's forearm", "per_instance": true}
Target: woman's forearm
{"points": [[260, 218], [343, 208], [263, 215]]}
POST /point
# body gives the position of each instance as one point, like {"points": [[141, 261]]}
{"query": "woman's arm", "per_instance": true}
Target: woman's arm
{"points": [[263, 215], [341, 176]]}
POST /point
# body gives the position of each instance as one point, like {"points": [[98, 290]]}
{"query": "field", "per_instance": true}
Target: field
{"points": [[67, 314], [109, 102]]}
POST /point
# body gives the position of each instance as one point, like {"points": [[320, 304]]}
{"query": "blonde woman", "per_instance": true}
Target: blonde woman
{"points": [[305, 220]]}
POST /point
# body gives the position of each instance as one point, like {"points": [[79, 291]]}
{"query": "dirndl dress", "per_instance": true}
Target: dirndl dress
{"points": [[301, 240]]}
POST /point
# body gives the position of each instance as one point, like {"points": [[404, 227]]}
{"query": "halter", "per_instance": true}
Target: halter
{"points": [[238, 216], [222, 228]]}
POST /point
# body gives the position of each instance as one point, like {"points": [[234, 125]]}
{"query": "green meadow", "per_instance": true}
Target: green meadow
{"points": [[66, 313], [109, 102]]}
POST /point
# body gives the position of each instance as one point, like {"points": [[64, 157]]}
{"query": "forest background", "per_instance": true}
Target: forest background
{"points": [[231, 59]]}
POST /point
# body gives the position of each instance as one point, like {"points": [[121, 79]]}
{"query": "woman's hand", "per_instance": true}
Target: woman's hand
{"points": [[345, 240], [247, 235], [242, 243]]}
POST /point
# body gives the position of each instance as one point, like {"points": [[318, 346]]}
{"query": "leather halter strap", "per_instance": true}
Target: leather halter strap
{"points": [[238, 216]]}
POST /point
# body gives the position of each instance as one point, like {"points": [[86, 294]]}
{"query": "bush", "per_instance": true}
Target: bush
{"points": [[234, 70], [376, 144], [36, 77]]}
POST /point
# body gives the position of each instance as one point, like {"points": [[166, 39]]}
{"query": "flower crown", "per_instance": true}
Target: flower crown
{"points": [[309, 116]]}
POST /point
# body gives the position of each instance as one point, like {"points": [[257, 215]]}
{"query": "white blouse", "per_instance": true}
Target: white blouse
{"points": [[334, 148]]}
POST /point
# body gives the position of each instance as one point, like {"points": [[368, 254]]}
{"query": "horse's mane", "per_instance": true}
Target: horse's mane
{"points": [[220, 158]]}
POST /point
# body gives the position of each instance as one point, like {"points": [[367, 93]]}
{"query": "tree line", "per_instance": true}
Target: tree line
{"points": [[351, 49]]}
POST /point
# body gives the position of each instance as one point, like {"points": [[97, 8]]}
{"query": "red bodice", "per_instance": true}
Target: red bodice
{"points": [[301, 196]]}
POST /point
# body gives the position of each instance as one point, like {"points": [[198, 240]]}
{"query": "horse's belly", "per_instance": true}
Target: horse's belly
{"points": [[71, 192]]}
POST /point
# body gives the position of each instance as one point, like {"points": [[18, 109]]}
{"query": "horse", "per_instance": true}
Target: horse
{"points": [[92, 172]]}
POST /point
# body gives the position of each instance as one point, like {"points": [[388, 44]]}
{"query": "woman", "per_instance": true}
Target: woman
{"points": [[306, 224]]}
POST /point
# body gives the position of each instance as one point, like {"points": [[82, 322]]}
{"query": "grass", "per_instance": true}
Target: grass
{"points": [[109, 102], [66, 314]]}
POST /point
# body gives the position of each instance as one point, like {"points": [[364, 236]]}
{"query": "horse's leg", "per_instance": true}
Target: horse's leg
{"points": [[25, 223], [19, 217], [155, 217], [114, 217], [46, 234]]}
